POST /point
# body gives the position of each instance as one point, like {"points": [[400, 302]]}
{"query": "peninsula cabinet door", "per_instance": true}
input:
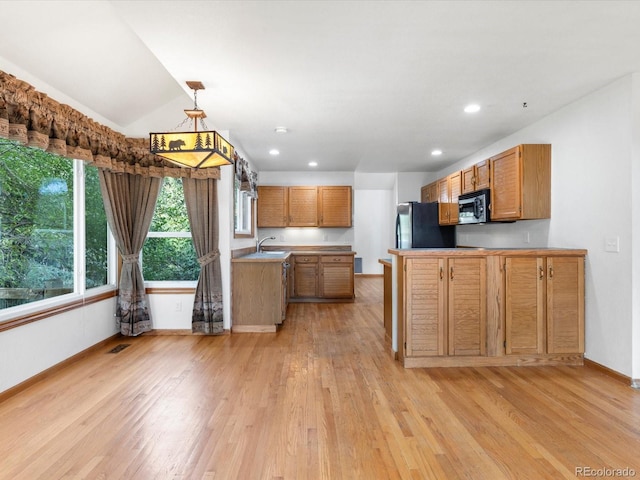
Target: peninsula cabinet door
{"points": [[524, 305], [467, 313], [565, 304], [425, 307]]}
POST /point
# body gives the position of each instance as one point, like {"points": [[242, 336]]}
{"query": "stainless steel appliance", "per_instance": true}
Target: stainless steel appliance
{"points": [[417, 227], [474, 207]]}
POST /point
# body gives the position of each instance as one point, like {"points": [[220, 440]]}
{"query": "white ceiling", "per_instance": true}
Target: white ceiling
{"points": [[367, 86]]}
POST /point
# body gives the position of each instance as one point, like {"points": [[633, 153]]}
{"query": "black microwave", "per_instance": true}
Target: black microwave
{"points": [[474, 207]]}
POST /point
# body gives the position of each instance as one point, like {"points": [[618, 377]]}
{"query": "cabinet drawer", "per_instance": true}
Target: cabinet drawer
{"points": [[337, 259], [306, 258]]}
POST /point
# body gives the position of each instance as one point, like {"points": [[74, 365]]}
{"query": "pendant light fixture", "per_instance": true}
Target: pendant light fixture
{"points": [[194, 149]]}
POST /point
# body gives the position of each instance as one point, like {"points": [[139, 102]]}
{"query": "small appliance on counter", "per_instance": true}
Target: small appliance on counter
{"points": [[417, 226], [474, 207]]}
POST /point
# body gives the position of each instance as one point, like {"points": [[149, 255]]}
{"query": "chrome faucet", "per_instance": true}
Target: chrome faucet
{"points": [[260, 242]]}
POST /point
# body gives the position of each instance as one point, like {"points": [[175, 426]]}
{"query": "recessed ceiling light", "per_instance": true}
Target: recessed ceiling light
{"points": [[313, 164], [436, 152], [273, 151], [281, 130], [472, 108]]}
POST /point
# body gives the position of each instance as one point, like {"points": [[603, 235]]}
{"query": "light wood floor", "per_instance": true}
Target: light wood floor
{"points": [[319, 399]]}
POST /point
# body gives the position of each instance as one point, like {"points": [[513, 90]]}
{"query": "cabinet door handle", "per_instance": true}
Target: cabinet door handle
{"points": [[441, 273], [541, 273], [550, 272], [451, 273]]}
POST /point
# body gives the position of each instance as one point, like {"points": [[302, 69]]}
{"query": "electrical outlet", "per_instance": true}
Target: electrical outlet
{"points": [[282, 238], [526, 238], [178, 306], [612, 244]]}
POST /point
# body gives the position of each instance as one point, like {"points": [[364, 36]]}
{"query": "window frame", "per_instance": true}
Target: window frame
{"points": [[242, 198], [18, 315], [168, 285]]}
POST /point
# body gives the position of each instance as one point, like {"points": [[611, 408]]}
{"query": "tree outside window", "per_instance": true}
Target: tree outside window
{"points": [[168, 253]]}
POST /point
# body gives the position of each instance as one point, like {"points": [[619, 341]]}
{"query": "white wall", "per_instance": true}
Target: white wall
{"points": [[592, 150], [635, 230], [30, 349]]}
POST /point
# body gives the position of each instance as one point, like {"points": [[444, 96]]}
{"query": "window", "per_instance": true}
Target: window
{"points": [[46, 241], [243, 211], [168, 253]]}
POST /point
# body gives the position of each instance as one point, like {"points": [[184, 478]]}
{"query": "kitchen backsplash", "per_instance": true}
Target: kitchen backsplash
{"points": [[308, 236]]}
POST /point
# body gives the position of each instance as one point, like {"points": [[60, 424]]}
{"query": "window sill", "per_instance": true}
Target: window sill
{"points": [[33, 312]]}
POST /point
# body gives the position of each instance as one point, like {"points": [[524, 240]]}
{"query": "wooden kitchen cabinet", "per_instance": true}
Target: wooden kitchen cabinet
{"points": [[467, 312], [449, 189], [336, 276], [544, 305], [476, 177], [524, 305], [323, 276], [483, 175], [272, 206], [305, 276], [429, 193], [424, 330], [259, 291], [334, 206], [489, 307], [565, 305], [444, 307], [304, 206], [521, 183]]}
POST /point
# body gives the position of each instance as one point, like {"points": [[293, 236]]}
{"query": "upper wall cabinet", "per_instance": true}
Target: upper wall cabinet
{"points": [[449, 189], [272, 206], [429, 193], [334, 206], [521, 183], [476, 177], [304, 206]]}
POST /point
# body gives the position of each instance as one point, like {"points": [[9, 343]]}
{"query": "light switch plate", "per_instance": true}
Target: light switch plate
{"points": [[612, 244]]}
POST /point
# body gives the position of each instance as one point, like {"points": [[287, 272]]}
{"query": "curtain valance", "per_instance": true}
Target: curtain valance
{"points": [[34, 119]]}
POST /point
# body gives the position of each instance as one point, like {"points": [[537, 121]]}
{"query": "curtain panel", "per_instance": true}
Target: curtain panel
{"points": [[129, 202], [201, 197]]}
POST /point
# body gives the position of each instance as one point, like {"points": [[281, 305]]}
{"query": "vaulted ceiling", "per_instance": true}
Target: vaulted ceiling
{"points": [[367, 86]]}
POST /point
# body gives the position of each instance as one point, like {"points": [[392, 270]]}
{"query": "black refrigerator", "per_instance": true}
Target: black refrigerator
{"points": [[417, 227]]}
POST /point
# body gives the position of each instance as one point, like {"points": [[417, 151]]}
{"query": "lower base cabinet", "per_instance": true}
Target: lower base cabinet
{"points": [[462, 310], [544, 305], [445, 302], [325, 276], [259, 295]]}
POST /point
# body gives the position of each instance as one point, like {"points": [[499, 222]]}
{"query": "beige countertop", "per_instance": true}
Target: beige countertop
{"points": [[479, 251], [280, 254]]}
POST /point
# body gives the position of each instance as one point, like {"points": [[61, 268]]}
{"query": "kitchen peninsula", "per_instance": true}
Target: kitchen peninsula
{"points": [[488, 307], [263, 283]]}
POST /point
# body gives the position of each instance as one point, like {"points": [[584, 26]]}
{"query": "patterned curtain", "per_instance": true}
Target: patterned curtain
{"points": [[201, 198], [129, 202]]}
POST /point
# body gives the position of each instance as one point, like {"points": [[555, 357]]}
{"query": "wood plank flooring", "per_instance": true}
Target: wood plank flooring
{"points": [[319, 399]]}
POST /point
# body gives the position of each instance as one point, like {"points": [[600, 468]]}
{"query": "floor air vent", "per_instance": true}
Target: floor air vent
{"points": [[119, 348]]}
